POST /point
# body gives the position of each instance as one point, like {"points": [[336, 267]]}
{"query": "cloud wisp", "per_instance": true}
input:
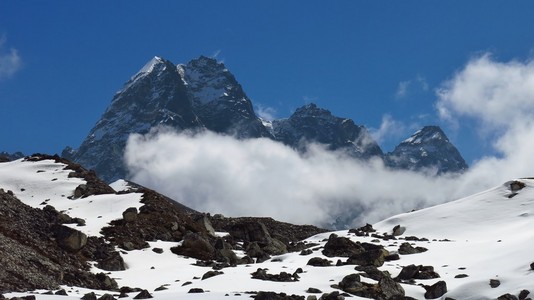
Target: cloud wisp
{"points": [[260, 177], [10, 61]]}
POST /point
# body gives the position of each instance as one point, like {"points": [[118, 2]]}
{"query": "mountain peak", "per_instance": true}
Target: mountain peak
{"points": [[312, 110], [427, 134]]}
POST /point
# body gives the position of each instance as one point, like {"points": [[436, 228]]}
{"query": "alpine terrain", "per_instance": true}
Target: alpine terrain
{"points": [[204, 95], [65, 234]]}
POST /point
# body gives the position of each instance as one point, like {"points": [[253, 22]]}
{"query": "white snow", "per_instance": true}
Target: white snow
{"points": [[489, 236]]}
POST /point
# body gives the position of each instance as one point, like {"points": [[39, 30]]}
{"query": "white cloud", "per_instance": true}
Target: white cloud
{"points": [[10, 61], [389, 128], [265, 112], [402, 88], [259, 177]]}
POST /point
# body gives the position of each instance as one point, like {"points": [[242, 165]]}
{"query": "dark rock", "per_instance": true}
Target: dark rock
{"points": [[523, 294], [372, 257], [157, 250], [195, 246], [282, 277], [144, 294], [341, 247], [461, 276], [407, 248], [532, 266], [196, 291], [313, 291], [392, 257], [389, 288], [114, 262], [61, 292], [106, 297], [319, 262], [494, 283], [70, 239], [507, 297], [372, 272], [350, 282], [89, 296], [332, 296], [398, 230], [436, 290], [210, 274], [130, 215], [275, 296]]}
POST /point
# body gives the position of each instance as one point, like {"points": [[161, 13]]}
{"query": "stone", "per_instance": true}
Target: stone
{"points": [[341, 247], [130, 214], [349, 282], [114, 262], [494, 283], [196, 246], [507, 297], [61, 292], [210, 274], [89, 296], [374, 257], [196, 291], [107, 297], [398, 230], [389, 288], [70, 239], [523, 294], [313, 291], [436, 290], [144, 294], [319, 262], [407, 248]]}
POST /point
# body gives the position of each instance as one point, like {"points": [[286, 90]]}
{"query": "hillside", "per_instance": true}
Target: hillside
{"points": [[472, 248]]}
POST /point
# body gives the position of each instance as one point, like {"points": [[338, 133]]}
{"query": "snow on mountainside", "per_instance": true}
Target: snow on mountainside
{"points": [[428, 148], [478, 247], [204, 95]]}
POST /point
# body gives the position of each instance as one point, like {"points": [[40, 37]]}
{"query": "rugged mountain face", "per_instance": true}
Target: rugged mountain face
{"points": [[200, 95], [313, 124], [204, 95], [5, 156], [428, 148], [219, 100]]}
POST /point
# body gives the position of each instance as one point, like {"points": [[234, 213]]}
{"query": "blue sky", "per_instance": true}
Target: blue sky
{"points": [[62, 61]]}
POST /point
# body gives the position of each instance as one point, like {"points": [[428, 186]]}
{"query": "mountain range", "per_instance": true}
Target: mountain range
{"points": [[204, 95]]}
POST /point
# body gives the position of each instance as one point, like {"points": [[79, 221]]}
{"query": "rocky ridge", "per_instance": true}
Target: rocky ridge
{"points": [[204, 95]]}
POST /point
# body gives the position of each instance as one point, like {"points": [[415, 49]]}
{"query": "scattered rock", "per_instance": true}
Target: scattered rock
{"points": [[210, 274], [157, 250], [341, 247], [275, 296], [507, 297], [196, 291], [523, 294], [107, 297], [319, 262], [89, 296], [313, 291], [436, 290], [398, 230], [61, 292], [407, 248], [282, 277], [461, 276], [196, 246], [374, 255], [144, 294], [494, 283]]}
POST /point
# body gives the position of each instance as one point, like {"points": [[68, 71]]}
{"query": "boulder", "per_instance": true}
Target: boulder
{"points": [[341, 247], [507, 297], [389, 288], [374, 257], [130, 214], [494, 283], [89, 296], [196, 246], [319, 262], [436, 290], [144, 294], [407, 248], [70, 239], [113, 263]]}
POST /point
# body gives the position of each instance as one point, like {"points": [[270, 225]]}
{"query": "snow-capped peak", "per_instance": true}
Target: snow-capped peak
{"points": [[149, 67], [427, 134]]}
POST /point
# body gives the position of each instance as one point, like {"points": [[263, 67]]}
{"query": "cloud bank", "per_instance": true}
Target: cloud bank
{"points": [[260, 177], [10, 61]]}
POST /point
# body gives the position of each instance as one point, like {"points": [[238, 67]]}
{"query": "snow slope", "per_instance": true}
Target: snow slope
{"points": [[488, 236]]}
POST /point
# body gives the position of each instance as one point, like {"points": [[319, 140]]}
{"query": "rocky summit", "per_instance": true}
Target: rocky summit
{"points": [[428, 148], [204, 95]]}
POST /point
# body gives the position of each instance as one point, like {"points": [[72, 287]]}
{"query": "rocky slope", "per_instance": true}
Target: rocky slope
{"points": [[135, 243]]}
